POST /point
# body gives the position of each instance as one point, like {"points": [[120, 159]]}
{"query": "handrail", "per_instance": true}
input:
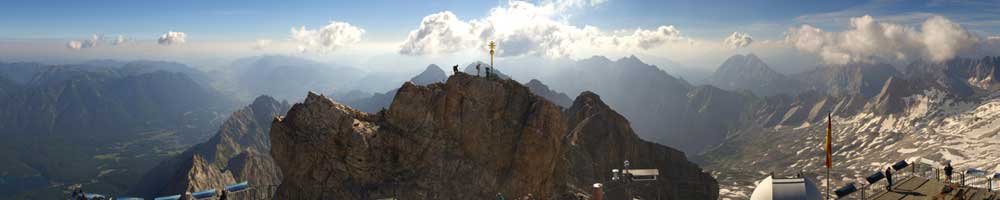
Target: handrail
{"points": [[913, 169], [923, 168], [253, 192]]}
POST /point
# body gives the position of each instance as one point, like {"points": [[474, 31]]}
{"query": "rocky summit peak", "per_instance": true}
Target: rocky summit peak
{"points": [[432, 74], [468, 138], [589, 99], [748, 72]]}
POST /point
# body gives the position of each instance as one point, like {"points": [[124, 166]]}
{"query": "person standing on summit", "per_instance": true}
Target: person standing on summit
{"points": [[477, 69], [948, 171]]}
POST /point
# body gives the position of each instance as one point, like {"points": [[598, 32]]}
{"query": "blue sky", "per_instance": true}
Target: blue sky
{"points": [[689, 32], [383, 18]]}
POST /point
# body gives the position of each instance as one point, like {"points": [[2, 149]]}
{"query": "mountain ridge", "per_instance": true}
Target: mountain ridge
{"points": [[448, 126]]}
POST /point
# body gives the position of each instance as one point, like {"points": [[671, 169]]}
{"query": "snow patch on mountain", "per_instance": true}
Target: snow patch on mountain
{"points": [[933, 126]]}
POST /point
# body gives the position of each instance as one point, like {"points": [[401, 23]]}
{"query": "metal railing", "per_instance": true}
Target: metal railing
{"points": [[869, 190], [970, 178]]}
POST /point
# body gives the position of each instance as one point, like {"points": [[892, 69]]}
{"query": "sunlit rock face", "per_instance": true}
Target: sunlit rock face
{"points": [[468, 138], [238, 152]]}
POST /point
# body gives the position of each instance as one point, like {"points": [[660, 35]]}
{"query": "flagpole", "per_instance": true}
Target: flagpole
{"points": [[829, 151]]}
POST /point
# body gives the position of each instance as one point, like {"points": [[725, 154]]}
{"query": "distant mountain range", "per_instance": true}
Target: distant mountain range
{"points": [[108, 124], [96, 124], [747, 72], [240, 151], [933, 110], [285, 77]]}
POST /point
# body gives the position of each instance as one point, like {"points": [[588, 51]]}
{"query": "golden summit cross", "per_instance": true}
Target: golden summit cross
{"points": [[493, 46]]}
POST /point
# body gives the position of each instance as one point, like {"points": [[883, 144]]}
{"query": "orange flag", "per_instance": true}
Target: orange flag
{"points": [[829, 140]]}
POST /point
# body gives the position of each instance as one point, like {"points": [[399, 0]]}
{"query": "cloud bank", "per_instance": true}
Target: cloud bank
{"points": [[171, 38], [738, 40], [326, 39], [937, 39], [523, 28], [262, 44], [85, 44], [119, 40]]}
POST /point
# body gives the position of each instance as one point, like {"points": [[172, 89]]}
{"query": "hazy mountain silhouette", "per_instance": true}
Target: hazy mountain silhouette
{"points": [[285, 77], [96, 124], [239, 151], [747, 72]]}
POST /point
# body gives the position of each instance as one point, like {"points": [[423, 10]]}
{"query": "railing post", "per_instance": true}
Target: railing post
{"points": [[863, 192]]}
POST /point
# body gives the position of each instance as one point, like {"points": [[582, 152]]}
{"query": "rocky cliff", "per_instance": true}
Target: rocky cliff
{"points": [[239, 152], [378, 101], [469, 138], [543, 90]]}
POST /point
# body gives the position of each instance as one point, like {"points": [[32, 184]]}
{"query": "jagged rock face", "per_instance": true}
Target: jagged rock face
{"points": [[201, 175], [891, 99], [601, 139], [933, 110], [467, 139], [960, 77], [655, 102], [543, 90], [259, 170], [378, 101], [806, 107], [983, 73], [717, 111], [233, 154], [750, 73], [854, 78]]}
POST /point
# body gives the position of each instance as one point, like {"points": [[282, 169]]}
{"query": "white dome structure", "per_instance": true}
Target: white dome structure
{"points": [[786, 189]]}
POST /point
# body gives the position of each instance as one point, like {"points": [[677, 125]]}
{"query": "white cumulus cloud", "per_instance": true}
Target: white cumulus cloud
{"points": [[328, 38], [73, 44], [937, 39], [171, 37], [523, 28], [85, 44], [120, 39], [262, 44], [738, 40], [439, 33]]}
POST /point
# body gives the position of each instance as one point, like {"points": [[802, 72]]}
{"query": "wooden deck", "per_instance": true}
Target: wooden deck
{"points": [[921, 188]]}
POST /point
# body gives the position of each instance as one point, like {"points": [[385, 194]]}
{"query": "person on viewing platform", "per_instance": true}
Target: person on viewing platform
{"points": [[948, 171], [888, 178]]}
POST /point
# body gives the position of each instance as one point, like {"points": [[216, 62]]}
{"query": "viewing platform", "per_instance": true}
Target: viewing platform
{"points": [[916, 187], [925, 180]]}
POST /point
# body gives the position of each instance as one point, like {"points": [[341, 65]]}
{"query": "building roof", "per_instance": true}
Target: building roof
{"points": [[785, 189]]}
